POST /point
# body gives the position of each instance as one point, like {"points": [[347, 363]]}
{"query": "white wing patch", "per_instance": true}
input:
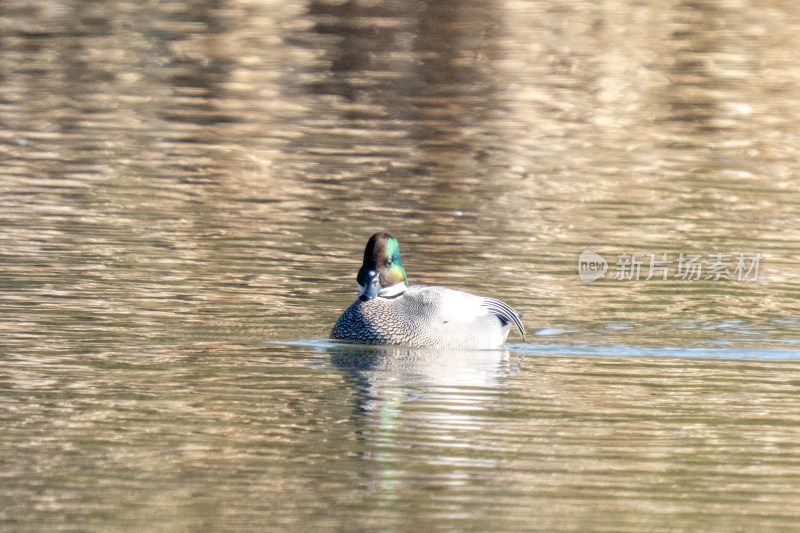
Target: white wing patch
{"points": [[461, 307], [454, 306]]}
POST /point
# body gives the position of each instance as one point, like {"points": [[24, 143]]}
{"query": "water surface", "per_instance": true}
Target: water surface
{"points": [[185, 193]]}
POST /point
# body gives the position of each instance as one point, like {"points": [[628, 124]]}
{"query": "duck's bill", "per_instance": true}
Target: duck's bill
{"points": [[371, 287]]}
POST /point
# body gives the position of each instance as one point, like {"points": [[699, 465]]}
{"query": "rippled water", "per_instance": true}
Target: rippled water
{"points": [[185, 193]]}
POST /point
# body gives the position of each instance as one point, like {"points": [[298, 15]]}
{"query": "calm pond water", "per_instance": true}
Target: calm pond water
{"points": [[185, 192]]}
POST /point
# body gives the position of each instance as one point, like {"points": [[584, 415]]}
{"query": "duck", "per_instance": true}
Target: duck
{"points": [[389, 311]]}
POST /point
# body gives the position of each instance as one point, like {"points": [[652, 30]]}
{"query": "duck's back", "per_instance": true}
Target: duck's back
{"points": [[426, 317]]}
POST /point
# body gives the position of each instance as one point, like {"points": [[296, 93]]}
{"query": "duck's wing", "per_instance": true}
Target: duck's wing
{"points": [[459, 306], [505, 313]]}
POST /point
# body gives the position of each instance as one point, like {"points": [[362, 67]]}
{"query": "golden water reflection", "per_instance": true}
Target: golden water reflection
{"points": [[183, 181]]}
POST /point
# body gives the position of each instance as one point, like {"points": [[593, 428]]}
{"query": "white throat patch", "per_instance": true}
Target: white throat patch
{"points": [[387, 292], [393, 290]]}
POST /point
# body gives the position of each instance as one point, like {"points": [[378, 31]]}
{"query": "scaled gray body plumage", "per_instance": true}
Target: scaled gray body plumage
{"points": [[425, 317]]}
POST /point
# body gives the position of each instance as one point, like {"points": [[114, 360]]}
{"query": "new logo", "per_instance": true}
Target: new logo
{"points": [[591, 266]]}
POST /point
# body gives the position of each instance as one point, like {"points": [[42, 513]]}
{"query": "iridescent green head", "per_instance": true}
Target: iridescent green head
{"points": [[382, 273]]}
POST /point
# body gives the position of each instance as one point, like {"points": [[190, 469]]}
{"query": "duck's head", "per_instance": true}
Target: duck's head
{"points": [[382, 274]]}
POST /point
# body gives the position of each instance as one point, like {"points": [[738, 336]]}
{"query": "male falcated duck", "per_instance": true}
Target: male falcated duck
{"points": [[389, 311]]}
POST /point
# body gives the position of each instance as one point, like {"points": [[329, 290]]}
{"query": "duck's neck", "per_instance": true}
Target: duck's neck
{"points": [[393, 290]]}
